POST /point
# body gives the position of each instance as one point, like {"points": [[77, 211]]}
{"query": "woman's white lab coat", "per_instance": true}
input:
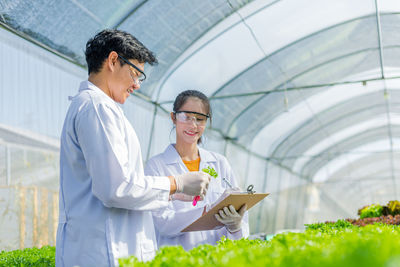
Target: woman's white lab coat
{"points": [[105, 199], [169, 222]]}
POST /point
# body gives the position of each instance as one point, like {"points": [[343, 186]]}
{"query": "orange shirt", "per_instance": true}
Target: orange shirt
{"points": [[192, 165]]}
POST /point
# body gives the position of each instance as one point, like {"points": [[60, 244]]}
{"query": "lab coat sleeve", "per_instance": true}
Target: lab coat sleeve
{"points": [[169, 222], [116, 177], [151, 168]]}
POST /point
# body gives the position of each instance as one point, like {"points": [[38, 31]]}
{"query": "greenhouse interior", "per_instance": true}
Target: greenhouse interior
{"points": [[303, 96]]}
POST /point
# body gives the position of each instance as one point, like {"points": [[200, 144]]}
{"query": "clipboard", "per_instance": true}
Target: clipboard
{"points": [[208, 222]]}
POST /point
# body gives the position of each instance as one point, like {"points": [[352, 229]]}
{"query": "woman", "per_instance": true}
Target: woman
{"points": [[190, 114]]}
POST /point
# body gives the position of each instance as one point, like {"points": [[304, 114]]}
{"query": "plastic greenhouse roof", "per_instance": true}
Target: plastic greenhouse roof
{"points": [[302, 83]]}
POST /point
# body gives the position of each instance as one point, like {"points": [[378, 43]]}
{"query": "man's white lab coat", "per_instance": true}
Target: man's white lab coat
{"points": [[169, 222], [105, 199]]}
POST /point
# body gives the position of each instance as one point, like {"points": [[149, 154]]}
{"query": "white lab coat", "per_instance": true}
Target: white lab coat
{"points": [[169, 222], [105, 199]]}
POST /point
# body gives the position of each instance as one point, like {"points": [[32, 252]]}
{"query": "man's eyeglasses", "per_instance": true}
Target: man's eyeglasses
{"points": [[139, 78], [199, 119]]}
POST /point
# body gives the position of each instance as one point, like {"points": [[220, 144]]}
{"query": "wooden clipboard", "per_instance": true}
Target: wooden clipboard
{"points": [[208, 222]]}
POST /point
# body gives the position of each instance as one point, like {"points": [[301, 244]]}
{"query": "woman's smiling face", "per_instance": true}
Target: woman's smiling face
{"points": [[190, 132]]}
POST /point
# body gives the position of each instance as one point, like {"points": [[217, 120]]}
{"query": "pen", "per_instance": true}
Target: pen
{"points": [[227, 182], [196, 198]]}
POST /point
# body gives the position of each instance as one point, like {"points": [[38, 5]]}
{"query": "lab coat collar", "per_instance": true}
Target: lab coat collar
{"points": [[171, 156], [206, 156], [86, 85]]}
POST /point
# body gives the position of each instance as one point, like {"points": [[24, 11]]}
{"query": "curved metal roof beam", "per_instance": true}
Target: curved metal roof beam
{"points": [[279, 86], [87, 12], [295, 170], [368, 170], [356, 105], [282, 84], [289, 167], [360, 185], [124, 13], [351, 144], [322, 153], [318, 98], [189, 56], [374, 170], [354, 142], [189, 52], [303, 153], [254, 102], [302, 160], [286, 47], [379, 31], [352, 130]]}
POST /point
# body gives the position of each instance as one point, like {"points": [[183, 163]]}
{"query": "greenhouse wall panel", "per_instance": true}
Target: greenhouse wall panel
{"points": [[36, 85]]}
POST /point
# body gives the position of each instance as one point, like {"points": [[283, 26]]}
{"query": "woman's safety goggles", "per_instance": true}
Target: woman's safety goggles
{"points": [[191, 116]]}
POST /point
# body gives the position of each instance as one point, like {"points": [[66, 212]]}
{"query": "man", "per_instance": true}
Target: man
{"points": [[105, 199]]}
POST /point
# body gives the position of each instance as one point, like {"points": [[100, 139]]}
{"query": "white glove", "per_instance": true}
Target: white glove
{"points": [[231, 218], [184, 197], [192, 183]]}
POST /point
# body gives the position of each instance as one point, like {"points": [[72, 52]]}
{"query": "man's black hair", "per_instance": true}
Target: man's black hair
{"points": [[100, 46]]}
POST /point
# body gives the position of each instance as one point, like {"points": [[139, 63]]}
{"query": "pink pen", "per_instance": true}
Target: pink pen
{"points": [[196, 198]]}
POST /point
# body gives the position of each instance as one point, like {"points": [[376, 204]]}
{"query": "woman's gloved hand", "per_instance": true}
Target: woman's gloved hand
{"points": [[192, 183], [231, 218]]}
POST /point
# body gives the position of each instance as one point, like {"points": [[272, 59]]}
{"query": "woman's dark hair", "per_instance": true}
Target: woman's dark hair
{"points": [[103, 43], [181, 99]]}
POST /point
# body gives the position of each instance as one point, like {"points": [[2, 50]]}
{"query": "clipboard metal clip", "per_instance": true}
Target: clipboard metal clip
{"points": [[250, 189]]}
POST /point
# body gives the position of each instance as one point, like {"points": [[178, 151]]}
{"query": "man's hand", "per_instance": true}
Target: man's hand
{"points": [[192, 183]]}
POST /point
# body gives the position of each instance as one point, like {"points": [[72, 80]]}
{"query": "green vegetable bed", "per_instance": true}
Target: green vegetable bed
{"points": [[334, 244], [42, 257], [322, 244]]}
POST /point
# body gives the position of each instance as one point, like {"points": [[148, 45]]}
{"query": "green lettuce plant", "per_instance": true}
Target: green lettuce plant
{"points": [[374, 210], [394, 207], [210, 171], [40, 257]]}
